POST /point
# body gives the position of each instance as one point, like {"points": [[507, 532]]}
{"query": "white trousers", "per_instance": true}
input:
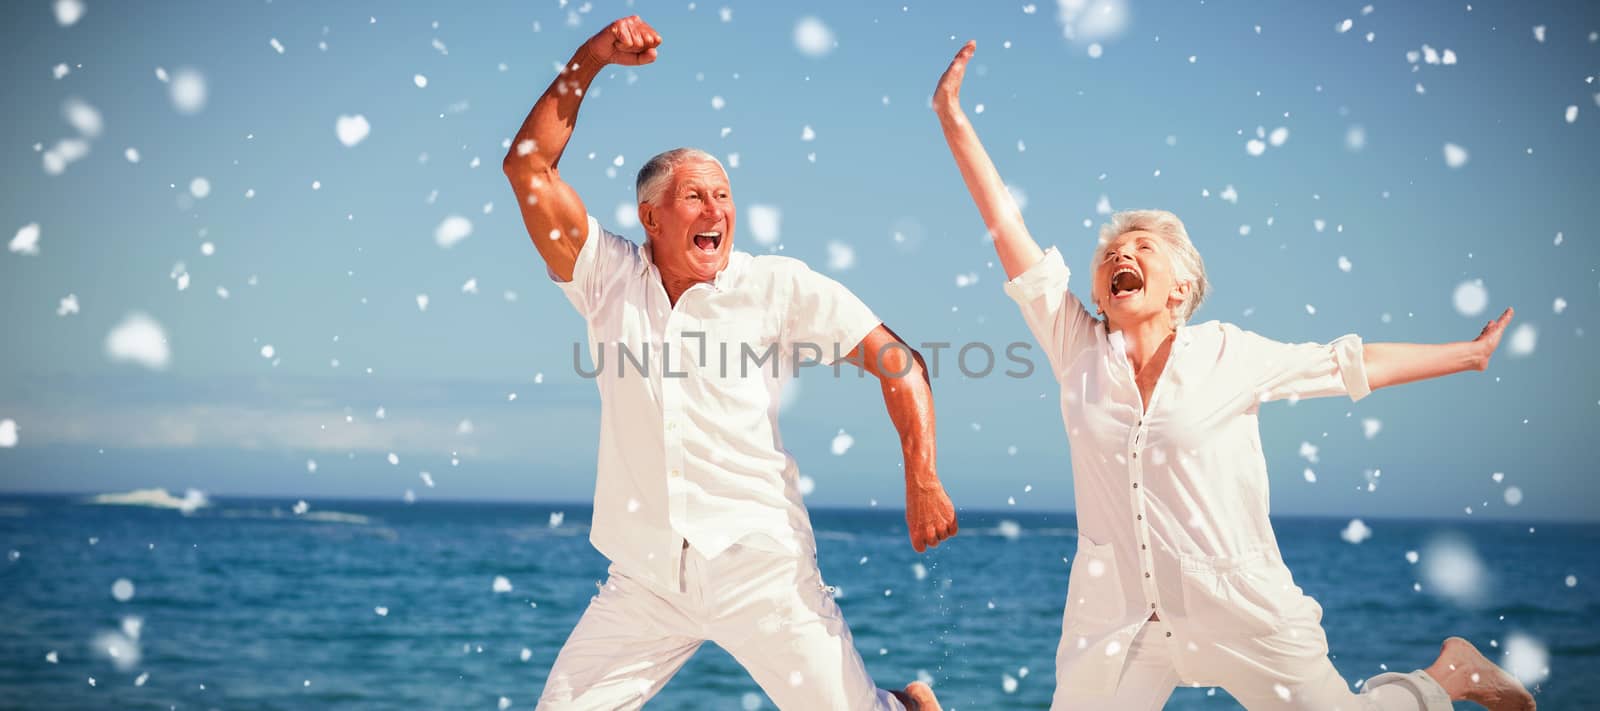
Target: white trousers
{"points": [[769, 611], [1150, 677]]}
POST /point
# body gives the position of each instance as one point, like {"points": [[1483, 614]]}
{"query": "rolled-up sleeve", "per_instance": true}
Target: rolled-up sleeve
{"points": [[1057, 319], [603, 260], [1302, 370]]}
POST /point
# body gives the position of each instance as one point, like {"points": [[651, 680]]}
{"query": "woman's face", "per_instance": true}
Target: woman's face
{"points": [[1135, 281]]}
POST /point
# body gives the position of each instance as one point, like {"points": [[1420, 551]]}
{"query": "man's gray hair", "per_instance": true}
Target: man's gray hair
{"points": [[1186, 262], [656, 174]]}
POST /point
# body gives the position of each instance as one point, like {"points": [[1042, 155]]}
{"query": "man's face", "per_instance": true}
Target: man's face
{"points": [[691, 227]]}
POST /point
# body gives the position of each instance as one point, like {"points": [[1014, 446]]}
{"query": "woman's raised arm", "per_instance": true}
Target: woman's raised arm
{"points": [[1012, 243]]}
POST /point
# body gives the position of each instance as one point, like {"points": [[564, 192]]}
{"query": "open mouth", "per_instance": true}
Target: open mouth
{"points": [[1126, 282], [708, 241]]}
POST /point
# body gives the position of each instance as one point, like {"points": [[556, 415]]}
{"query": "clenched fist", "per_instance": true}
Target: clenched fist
{"points": [[626, 41]]}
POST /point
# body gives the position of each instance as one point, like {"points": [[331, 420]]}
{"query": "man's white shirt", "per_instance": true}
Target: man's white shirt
{"points": [[1172, 502], [690, 450]]}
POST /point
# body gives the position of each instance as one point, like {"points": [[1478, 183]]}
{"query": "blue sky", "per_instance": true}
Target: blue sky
{"points": [[1162, 117]]}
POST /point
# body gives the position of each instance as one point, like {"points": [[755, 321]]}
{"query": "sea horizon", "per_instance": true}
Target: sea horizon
{"points": [[212, 498]]}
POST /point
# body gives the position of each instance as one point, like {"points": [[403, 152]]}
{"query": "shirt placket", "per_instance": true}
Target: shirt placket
{"points": [[1141, 523], [672, 436]]}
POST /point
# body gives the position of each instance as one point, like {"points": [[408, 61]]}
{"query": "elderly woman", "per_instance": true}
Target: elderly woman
{"points": [[1177, 577]]}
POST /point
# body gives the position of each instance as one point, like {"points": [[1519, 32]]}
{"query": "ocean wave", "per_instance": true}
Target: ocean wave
{"points": [[565, 530], [158, 498], [337, 517], [321, 516], [836, 535]]}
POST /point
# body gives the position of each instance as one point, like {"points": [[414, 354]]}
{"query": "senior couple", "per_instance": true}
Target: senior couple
{"points": [[1177, 577]]}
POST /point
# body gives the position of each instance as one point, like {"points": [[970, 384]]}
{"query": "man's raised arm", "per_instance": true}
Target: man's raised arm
{"points": [[555, 216]]}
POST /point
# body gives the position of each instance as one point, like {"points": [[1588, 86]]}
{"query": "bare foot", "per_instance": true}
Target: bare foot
{"points": [[919, 697], [1467, 675]]}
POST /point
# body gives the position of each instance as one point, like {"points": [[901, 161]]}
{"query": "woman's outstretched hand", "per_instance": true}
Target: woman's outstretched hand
{"points": [[1489, 338], [947, 96]]}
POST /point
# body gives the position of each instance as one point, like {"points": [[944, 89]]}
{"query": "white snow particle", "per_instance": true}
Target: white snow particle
{"points": [[842, 442], [841, 256], [1527, 659], [1309, 452], [140, 340], [1523, 339], [1513, 495], [764, 223], [452, 230], [188, 90], [1356, 531], [1370, 427], [351, 129], [1355, 138], [1471, 298], [68, 12], [26, 241], [86, 119], [813, 38], [1454, 156]]}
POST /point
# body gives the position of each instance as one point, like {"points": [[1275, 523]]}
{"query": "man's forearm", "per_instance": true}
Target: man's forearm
{"points": [[909, 399], [545, 132]]}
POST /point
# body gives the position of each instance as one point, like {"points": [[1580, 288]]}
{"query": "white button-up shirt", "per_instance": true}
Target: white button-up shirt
{"points": [[1172, 499], [689, 449]]}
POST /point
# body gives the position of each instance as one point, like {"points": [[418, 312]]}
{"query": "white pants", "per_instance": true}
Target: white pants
{"points": [[769, 610], [1150, 677]]}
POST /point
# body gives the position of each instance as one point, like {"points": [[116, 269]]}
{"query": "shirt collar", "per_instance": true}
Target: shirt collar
{"points": [[725, 278], [1119, 344]]}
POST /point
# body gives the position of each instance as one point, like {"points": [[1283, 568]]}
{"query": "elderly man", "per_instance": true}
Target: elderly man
{"points": [[697, 504]]}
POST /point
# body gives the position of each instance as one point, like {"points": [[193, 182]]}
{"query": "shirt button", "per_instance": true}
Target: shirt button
{"points": [[1135, 455], [1152, 606], [1143, 546], [1139, 516], [1146, 575], [675, 473], [1136, 485], [1169, 634]]}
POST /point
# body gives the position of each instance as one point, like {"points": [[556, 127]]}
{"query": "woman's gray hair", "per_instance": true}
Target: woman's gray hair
{"points": [[656, 174], [1186, 262]]}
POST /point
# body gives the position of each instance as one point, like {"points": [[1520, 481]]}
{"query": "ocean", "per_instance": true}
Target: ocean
{"points": [[249, 604]]}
